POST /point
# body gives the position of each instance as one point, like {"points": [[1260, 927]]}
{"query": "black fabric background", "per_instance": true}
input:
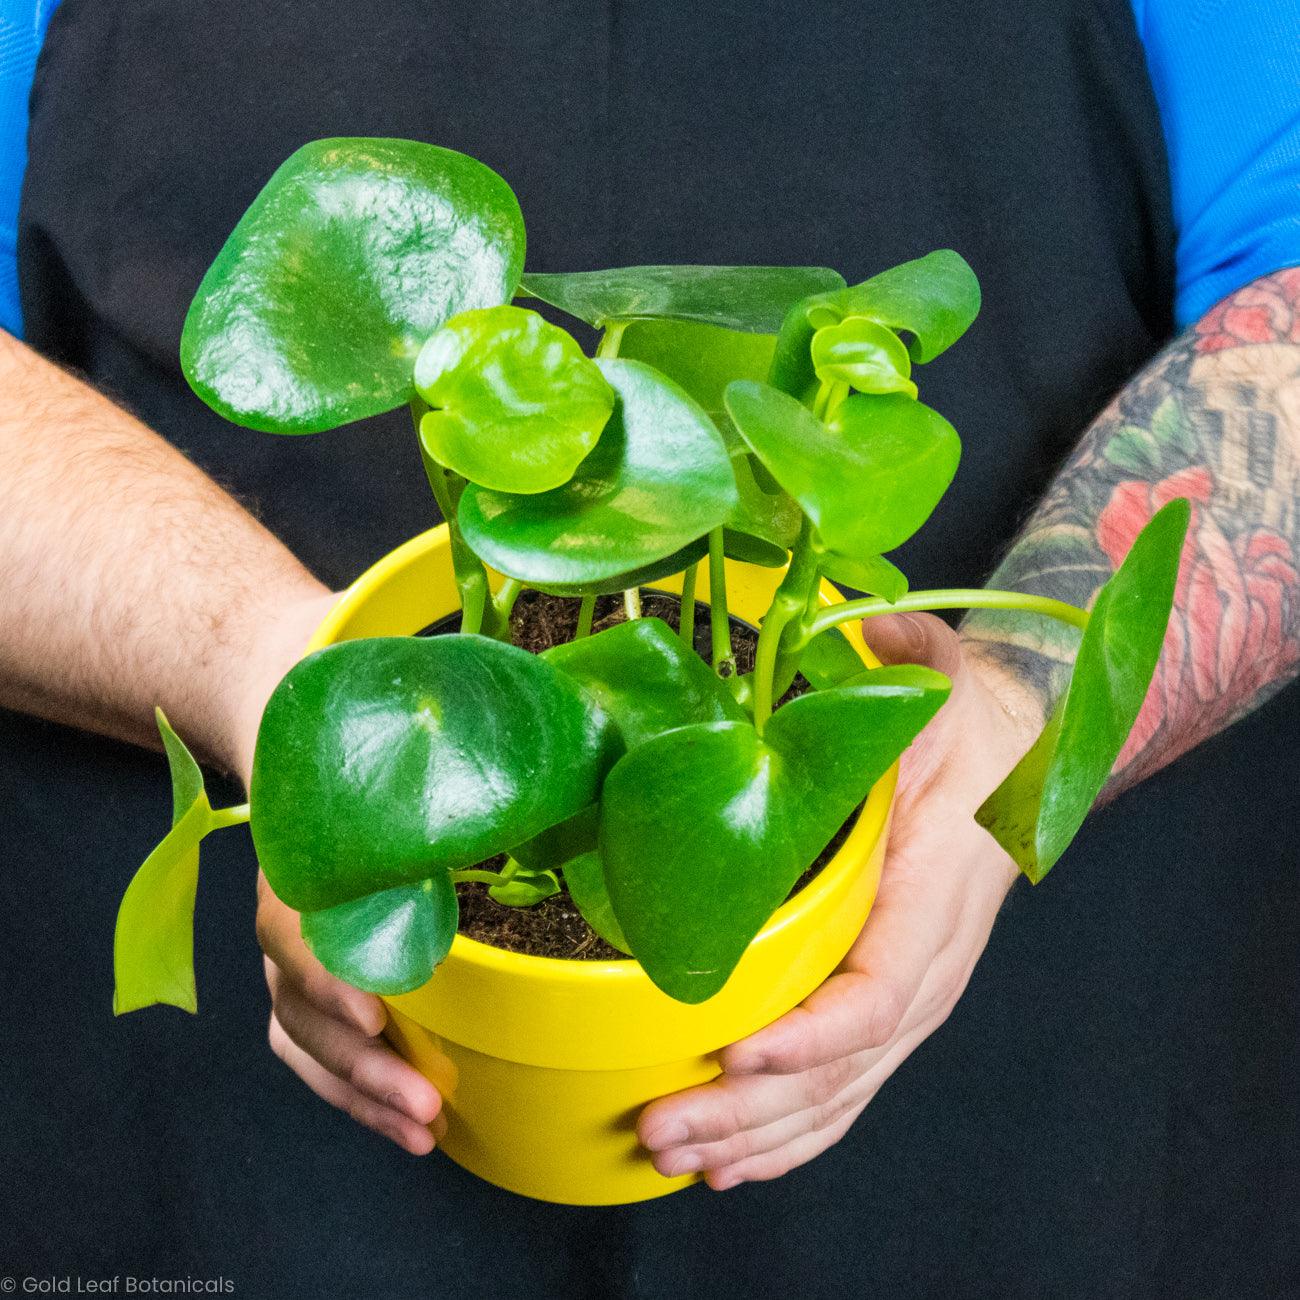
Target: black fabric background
{"points": [[1112, 1109]]}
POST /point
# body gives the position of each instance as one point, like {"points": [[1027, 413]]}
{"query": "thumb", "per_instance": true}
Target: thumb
{"points": [[914, 639]]}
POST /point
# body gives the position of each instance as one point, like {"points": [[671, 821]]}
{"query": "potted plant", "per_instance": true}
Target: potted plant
{"points": [[741, 434]]}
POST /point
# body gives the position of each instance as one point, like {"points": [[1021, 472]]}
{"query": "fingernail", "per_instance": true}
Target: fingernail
{"points": [[672, 1134], [689, 1162], [724, 1182]]}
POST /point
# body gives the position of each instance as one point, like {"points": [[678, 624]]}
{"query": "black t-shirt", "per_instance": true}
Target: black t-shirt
{"points": [[1112, 1108]]}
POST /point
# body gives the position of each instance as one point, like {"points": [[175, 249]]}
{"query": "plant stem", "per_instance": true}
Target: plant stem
{"points": [[686, 619], [946, 598], [632, 603], [586, 612], [790, 602], [724, 660], [611, 338], [235, 816], [505, 598], [471, 576]]}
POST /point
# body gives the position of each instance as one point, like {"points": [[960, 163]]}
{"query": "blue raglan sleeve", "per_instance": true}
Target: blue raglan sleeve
{"points": [[22, 29], [1226, 75]]}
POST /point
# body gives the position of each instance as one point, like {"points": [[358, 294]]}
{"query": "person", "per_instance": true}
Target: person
{"points": [[1129, 1036]]}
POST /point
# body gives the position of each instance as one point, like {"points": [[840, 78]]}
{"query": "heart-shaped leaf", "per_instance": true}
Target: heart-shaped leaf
{"points": [[864, 355], [874, 575], [381, 761], [643, 677], [353, 254], [1038, 809], [153, 943], [677, 562], [752, 298], [584, 876], [658, 480], [931, 301], [517, 405], [868, 479], [388, 942], [703, 360], [705, 829], [525, 889]]}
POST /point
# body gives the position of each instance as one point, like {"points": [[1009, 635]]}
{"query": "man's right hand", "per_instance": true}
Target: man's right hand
{"points": [[329, 1035]]}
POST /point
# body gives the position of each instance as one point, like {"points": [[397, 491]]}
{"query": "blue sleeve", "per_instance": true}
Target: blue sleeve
{"points": [[22, 29], [1226, 75]]}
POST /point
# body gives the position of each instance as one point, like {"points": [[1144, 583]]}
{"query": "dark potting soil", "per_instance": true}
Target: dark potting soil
{"points": [[555, 927]]}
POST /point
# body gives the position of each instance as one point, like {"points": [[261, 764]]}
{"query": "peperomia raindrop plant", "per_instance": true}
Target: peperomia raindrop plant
{"points": [[765, 414]]}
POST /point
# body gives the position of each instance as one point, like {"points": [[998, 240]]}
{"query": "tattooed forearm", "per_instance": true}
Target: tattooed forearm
{"points": [[1214, 418]]}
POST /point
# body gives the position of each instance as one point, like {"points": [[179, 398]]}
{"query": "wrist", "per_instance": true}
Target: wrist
{"points": [[272, 643]]}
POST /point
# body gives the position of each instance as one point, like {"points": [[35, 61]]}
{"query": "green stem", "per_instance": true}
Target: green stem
{"points": [[506, 595], [236, 816], [632, 603], [586, 612], [471, 576], [472, 875], [946, 598], [686, 620], [724, 660], [789, 603], [611, 339]]}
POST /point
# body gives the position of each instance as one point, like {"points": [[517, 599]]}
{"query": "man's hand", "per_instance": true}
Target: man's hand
{"points": [[328, 1033], [793, 1089]]}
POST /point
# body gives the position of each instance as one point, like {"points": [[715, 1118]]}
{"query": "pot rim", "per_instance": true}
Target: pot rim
{"points": [[867, 828]]}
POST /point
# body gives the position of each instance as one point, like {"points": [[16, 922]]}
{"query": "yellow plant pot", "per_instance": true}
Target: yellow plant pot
{"points": [[543, 1064]]}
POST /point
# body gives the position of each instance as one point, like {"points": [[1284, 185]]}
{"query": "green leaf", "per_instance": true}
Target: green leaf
{"points": [[517, 404], [642, 676], [658, 480], [677, 562], [387, 942], [552, 848], [584, 876], [751, 298], [868, 479], [705, 829], [874, 575], [379, 761], [930, 301], [1037, 810], [353, 254], [526, 889], [153, 943], [864, 355], [829, 659]]}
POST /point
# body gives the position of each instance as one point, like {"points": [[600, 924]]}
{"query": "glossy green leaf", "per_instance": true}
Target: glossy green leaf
{"points": [[648, 573], [387, 942], [552, 848], [703, 360], [584, 877], [658, 480], [752, 298], [525, 889], [931, 302], [874, 575], [734, 818], [1038, 809], [829, 659], [353, 254], [153, 943], [516, 403], [863, 354], [868, 479], [379, 761], [643, 677]]}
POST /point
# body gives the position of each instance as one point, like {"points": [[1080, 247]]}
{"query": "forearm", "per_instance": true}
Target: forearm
{"points": [[129, 579], [1215, 418]]}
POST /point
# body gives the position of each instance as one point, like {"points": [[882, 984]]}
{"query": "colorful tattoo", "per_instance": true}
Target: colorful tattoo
{"points": [[1214, 418]]}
